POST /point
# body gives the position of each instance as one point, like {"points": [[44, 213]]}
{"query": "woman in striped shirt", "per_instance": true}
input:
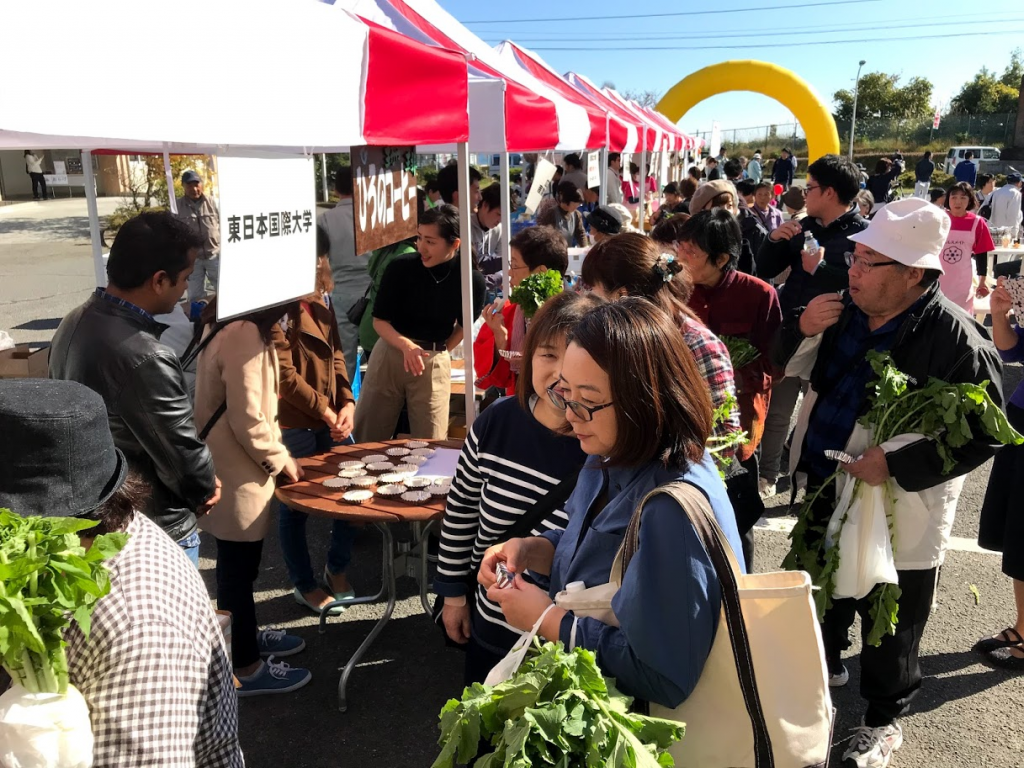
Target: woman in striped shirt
{"points": [[517, 452]]}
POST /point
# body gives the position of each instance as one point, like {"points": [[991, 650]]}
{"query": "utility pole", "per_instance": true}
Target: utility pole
{"points": [[853, 117]]}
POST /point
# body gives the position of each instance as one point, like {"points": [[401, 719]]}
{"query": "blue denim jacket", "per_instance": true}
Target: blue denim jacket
{"points": [[669, 602]]}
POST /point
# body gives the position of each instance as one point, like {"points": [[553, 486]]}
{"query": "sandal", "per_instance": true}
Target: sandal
{"points": [[988, 644], [1003, 657]]}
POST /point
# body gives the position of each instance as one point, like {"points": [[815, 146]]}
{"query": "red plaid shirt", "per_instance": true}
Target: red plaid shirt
{"points": [[716, 367]]}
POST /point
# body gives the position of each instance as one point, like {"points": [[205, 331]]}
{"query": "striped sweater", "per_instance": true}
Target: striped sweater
{"points": [[509, 462]]}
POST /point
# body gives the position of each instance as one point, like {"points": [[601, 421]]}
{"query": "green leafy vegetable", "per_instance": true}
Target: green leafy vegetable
{"points": [[535, 290], [949, 414], [717, 445], [47, 578], [558, 711], [741, 351]]}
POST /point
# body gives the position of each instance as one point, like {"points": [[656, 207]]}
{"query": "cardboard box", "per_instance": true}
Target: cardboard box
{"points": [[24, 363]]}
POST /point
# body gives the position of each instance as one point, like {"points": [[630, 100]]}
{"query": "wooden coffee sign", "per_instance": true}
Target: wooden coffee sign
{"points": [[383, 195]]}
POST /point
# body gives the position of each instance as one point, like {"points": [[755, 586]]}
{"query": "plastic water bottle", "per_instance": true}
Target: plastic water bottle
{"points": [[810, 244], [357, 375]]}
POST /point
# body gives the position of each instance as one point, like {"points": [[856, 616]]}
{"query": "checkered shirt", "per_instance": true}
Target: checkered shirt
{"points": [[126, 304], [155, 671], [715, 366]]}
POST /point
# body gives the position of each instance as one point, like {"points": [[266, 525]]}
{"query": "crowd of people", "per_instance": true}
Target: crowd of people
{"points": [[747, 296]]}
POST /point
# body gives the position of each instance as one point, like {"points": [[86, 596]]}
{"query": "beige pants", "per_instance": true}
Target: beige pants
{"points": [[387, 387]]}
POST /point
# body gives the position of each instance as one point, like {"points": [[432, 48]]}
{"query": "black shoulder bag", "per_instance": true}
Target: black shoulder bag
{"points": [[356, 311], [190, 355], [529, 520]]}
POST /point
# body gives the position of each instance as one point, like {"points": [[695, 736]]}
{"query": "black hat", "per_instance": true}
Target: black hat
{"points": [[57, 458], [608, 221]]}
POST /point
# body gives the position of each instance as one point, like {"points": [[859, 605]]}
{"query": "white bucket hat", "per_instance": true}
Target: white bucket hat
{"points": [[911, 231]]}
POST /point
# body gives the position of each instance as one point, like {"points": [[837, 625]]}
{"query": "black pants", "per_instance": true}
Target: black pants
{"points": [[746, 503], [38, 181], [890, 674], [238, 565]]}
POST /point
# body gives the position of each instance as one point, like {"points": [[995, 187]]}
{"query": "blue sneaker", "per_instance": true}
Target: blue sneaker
{"points": [[277, 642], [273, 677]]}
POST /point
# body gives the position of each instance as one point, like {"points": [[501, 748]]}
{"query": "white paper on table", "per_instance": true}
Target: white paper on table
{"points": [[458, 374], [442, 463]]}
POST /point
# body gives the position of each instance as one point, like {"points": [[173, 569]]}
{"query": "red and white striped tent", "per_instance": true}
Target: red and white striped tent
{"points": [[622, 136], [510, 109], [656, 138], [243, 81], [614, 106]]}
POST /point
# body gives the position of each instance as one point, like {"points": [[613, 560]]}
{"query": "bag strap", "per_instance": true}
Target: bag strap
{"points": [[213, 420], [698, 510], [544, 507], [195, 347]]}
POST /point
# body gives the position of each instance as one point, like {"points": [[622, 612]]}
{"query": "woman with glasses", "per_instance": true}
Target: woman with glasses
{"points": [[533, 251], [634, 265], [517, 454], [745, 309], [636, 402], [968, 236]]}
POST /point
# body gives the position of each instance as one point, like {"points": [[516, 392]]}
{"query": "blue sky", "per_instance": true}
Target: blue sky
{"points": [[777, 32]]}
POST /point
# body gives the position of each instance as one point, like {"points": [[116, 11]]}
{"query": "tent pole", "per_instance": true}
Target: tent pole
{"points": [[466, 269], [323, 176], [603, 197], [94, 220], [506, 223], [171, 199]]}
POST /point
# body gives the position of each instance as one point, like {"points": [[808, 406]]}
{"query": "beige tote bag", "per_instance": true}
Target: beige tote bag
{"points": [[762, 700]]}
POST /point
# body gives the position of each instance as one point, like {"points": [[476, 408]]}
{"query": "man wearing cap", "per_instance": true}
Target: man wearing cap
{"points": [[1006, 205], [155, 672], [894, 306], [605, 222], [202, 214]]}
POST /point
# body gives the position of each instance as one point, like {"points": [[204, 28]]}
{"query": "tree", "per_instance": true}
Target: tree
{"points": [[987, 94], [643, 98], [881, 97]]}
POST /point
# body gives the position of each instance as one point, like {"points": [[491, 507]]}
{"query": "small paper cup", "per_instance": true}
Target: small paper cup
{"points": [[364, 482], [415, 497], [337, 482], [380, 466], [423, 452], [357, 497], [351, 465], [417, 482], [374, 458], [397, 451], [413, 444], [352, 473]]}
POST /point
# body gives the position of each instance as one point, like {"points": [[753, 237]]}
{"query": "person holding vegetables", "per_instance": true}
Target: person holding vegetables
{"points": [[746, 309], [518, 455], [150, 664], [638, 406], [634, 265], [534, 252], [895, 307], [1002, 525]]}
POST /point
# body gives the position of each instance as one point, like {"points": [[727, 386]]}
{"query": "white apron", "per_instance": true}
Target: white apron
{"points": [[957, 281]]}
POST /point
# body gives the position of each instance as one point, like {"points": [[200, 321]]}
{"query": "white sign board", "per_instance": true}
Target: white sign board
{"points": [[716, 141], [59, 169], [542, 176], [56, 179], [594, 170], [267, 232]]}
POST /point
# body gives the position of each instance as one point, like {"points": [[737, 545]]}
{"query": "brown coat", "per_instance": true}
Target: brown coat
{"points": [[237, 367], [313, 375]]}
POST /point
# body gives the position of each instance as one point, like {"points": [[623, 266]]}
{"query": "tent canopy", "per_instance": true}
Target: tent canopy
{"points": [[259, 92], [528, 116]]}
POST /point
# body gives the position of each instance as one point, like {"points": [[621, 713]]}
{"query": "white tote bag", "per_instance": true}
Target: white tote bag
{"points": [[762, 700]]}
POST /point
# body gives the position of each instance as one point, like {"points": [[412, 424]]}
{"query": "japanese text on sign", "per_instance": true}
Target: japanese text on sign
{"points": [[384, 196], [274, 224]]}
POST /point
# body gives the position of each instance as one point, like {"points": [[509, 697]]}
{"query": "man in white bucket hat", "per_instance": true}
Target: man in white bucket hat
{"points": [[894, 305]]}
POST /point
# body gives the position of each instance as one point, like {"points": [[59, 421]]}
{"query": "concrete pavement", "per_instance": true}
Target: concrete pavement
{"points": [[966, 714]]}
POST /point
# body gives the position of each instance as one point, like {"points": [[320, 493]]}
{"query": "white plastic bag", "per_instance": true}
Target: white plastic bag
{"points": [[508, 666], [865, 546], [6, 342], [44, 730]]}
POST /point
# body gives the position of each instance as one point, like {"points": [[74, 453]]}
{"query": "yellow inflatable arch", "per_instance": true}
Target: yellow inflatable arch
{"points": [[770, 80]]}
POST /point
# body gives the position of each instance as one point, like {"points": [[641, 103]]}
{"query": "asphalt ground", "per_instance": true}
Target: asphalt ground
{"points": [[966, 714]]}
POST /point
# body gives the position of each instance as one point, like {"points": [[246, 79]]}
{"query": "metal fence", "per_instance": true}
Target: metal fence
{"points": [[990, 130]]}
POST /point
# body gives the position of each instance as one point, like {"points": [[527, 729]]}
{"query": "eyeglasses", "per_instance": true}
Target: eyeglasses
{"points": [[809, 187], [583, 412], [861, 262], [516, 267]]}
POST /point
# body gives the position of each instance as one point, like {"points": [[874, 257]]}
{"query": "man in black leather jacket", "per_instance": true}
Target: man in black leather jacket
{"points": [[111, 344]]}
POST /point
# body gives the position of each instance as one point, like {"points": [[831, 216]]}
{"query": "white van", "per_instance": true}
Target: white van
{"points": [[982, 155]]}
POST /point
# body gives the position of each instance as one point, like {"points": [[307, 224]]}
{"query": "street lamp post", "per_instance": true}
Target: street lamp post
{"points": [[853, 117]]}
